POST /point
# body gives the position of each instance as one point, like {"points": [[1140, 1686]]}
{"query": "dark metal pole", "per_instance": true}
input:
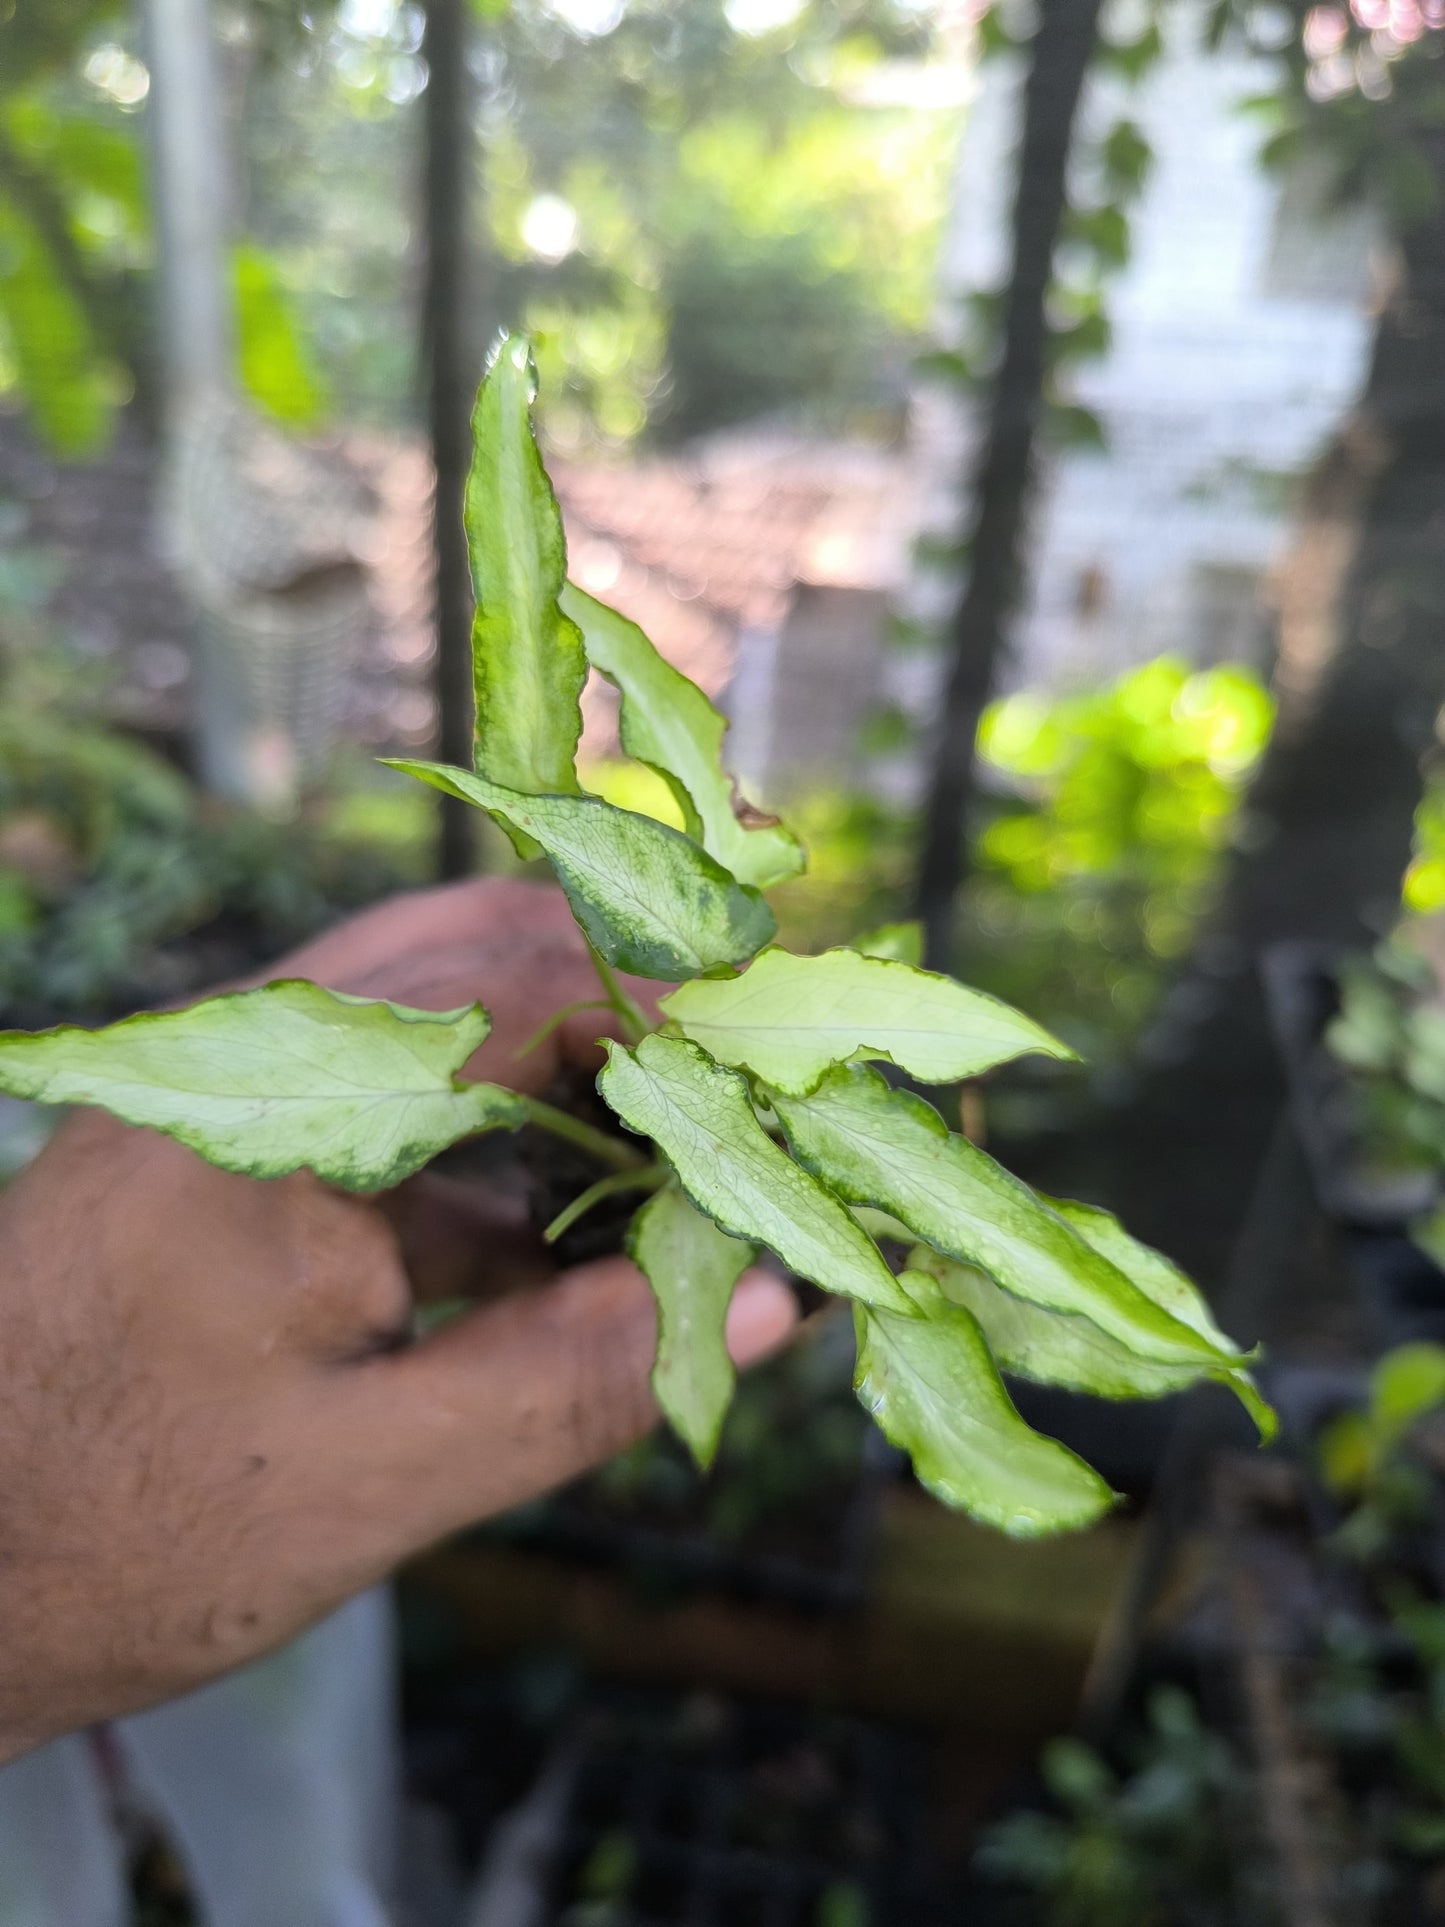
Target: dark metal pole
{"points": [[449, 163], [1058, 61]]}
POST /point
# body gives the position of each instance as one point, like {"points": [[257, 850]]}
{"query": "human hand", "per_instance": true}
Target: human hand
{"points": [[213, 1423]]}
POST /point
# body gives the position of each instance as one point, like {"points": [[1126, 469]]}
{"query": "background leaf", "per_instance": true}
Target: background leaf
{"points": [[932, 1387], [528, 666], [62, 374], [646, 896], [889, 1149], [278, 1079], [692, 1267], [901, 941], [278, 369], [788, 1019], [700, 1116], [669, 724]]}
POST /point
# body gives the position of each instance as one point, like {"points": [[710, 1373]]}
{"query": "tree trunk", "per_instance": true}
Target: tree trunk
{"points": [[450, 380], [1059, 60], [1360, 681]]}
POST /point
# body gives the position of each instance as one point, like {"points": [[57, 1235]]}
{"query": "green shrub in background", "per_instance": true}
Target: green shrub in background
{"points": [[1110, 815], [120, 885]]}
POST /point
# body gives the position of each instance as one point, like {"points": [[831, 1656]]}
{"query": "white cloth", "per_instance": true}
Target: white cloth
{"points": [[278, 1787]]}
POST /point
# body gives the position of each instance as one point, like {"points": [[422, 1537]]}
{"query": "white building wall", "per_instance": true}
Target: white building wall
{"points": [[1233, 357]]}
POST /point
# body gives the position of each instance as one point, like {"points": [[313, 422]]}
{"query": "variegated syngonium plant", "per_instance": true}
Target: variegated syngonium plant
{"points": [[767, 1125]]}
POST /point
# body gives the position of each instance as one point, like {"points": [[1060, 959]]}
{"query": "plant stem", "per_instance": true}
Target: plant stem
{"points": [[633, 1020], [648, 1180], [558, 1017], [607, 1150]]}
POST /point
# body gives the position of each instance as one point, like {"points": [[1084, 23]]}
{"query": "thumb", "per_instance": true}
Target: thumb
{"points": [[525, 1393]]}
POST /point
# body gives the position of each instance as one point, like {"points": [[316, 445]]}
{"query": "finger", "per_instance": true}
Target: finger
{"points": [[520, 1396], [464, 1238], [419, 922]]}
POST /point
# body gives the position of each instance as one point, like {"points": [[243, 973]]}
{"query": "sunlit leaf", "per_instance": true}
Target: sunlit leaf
{"points": [[45, 335], [273, 1080], [789, 1018], [903, 942], [669, 724], [934, 1390], [647, 897], [528, 665], [700, 1116], [889, 1149], [692, 1267], [278, 370], [1405, 1384]]}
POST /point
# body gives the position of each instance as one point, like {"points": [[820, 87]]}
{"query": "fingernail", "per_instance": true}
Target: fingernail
{"points": [[761, 1316]]}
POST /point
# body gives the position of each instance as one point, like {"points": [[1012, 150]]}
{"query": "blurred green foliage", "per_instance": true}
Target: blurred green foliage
{"points": [[690, 205], [76, 246], [1423, 890], [1359, 91], [1106, 822], [1364, 1452], [121, 885], [1144, 1846], [1390, 1032]]}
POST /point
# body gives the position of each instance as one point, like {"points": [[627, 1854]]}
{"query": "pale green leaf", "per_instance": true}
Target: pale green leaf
{"points": [[903, 942], [692, 1267], [700, 1117], [273, 1080], [1169, 1288], [528, 665], [646, 896], [669, 724], [788, 1019], [887, 1148], [1060, 1348], [932, 1387]]}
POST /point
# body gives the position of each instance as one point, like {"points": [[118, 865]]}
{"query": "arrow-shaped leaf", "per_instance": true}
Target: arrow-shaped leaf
{"points": [[692, 1268], [647, 897], [932, 1387], [273, 1080], [1057, 1348], [788, 1019], [887, 1148], [669, 724], [528, 664], [701, 1118]]}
